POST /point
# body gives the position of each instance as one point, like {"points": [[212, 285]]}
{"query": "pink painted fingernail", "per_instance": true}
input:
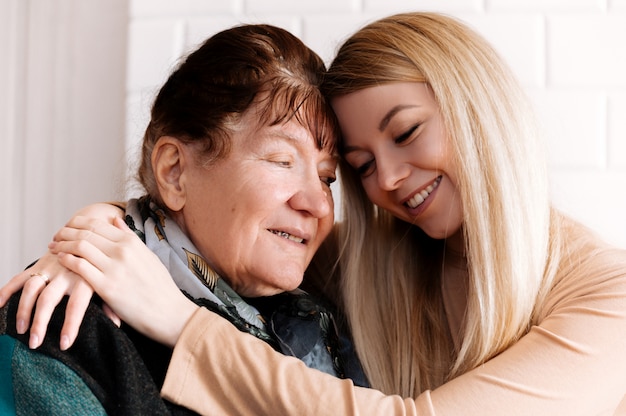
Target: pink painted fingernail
{"points": [[20, 326], [65, 342], [33, 342]]}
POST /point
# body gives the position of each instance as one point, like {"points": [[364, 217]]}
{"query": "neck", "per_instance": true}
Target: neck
{"points": [[454, 251]]}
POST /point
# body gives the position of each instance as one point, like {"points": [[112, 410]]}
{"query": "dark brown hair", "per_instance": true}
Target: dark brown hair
{"points": [[207, 94]]}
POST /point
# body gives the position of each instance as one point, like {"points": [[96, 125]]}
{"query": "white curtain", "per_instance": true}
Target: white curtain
{"points": [[62, 112]]}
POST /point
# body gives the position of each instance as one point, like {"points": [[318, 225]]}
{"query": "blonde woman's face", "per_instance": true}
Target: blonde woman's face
{"points": [[395, 139]]}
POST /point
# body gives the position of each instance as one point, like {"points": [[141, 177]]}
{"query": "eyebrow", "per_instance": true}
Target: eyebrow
{"points": [[297, 142], [383, 123], [395, 110]]}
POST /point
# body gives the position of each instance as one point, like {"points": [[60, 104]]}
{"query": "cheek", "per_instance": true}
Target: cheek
{"points": [[331, 203], [372, 190], [325, 226]]}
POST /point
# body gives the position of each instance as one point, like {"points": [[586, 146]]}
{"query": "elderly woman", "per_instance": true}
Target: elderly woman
{"points": [[237, 162]]}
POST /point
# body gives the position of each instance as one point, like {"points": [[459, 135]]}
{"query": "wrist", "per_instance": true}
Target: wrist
{"points": [[184, 313]]}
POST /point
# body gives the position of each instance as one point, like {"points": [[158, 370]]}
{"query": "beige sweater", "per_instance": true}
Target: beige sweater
{"points": [[572, 363]]}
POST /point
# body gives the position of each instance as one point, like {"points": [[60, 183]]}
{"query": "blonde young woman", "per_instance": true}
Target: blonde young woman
{"points": [[466, 292]]}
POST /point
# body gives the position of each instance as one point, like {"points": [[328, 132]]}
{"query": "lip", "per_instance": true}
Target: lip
{"points": [[294, 232], [427, 201]]}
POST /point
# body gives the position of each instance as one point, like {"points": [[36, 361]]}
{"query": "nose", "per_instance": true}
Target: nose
{"points": [[314, 198], [390, 171]]}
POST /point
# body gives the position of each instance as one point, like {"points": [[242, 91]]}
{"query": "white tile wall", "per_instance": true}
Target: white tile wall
{"points": [[595, 196], [185, 8], [617, 5], [300, 8], [197, 28], [569, 119], [617, 131], [569, 54], [565, 6], [587, 50], [385, 7], [520, 40], [154, 45]]}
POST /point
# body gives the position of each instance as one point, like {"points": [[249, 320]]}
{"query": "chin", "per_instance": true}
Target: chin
{"points": [[271, 288], [289, 278], [288, 286]]}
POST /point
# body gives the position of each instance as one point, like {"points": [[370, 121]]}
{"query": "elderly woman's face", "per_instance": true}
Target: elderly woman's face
{"points": [[259, 215]]}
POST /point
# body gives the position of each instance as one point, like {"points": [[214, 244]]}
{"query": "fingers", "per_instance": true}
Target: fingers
{"points": [[64, 282], [32, 287], [32, 283], [103, 211], [84, 228], [14, 285], [74, 313], [99, 243], [47, 300], [72, 235], [83, 267], [86, 258], [121, 224], [48, 281], [111, 315]]}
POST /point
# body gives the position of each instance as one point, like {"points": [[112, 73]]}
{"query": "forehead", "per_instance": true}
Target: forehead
{"points": [[383, 95], [301, 104], [302, 128], [377, 106], [290, 133]]}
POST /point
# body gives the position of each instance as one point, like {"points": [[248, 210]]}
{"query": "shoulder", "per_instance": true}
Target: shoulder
{"points": [[587, 266], [103, 360], [584, 254], [36, 381]]}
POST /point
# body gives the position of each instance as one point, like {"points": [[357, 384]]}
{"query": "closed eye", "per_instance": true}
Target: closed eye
{"points": [[283, 163], [328, 180], [366, 168], [404, 136]]}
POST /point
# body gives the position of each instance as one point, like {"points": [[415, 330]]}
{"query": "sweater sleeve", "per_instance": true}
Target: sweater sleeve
{"points": [[216, 369], [573, 362]]}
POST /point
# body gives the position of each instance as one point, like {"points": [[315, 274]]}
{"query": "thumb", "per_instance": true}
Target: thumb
{"points": [[121, 224]]}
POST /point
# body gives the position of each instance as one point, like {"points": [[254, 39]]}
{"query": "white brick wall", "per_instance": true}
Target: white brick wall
{"points": [[569, 54]]}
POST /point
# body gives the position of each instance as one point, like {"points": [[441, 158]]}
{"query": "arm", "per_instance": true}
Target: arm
{"points": [[62, 282], [572, 363], [127, 275]]}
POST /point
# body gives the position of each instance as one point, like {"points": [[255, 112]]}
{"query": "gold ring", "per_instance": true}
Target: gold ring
{"points": [[44, 276]]}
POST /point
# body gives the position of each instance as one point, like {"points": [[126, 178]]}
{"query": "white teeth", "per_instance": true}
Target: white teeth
{"points": [[417, 200], [287, 236]]}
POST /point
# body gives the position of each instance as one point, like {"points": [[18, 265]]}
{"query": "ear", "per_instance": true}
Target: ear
{"points": [[168, 164]]}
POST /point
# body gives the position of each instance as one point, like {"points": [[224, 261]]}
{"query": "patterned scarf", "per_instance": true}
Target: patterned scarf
{"points": [[293, 323], [189, 270]]}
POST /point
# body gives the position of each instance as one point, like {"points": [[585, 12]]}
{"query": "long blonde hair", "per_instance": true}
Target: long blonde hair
{"points": [[391, 271]]}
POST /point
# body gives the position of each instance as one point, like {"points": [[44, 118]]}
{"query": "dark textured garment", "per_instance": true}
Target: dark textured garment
{"points": [[108, 369], [118, 371], [305, 327]]}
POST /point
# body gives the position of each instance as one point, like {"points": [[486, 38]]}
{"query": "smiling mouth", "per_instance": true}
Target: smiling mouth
{"points": [[421, 196], [288, 236]]}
